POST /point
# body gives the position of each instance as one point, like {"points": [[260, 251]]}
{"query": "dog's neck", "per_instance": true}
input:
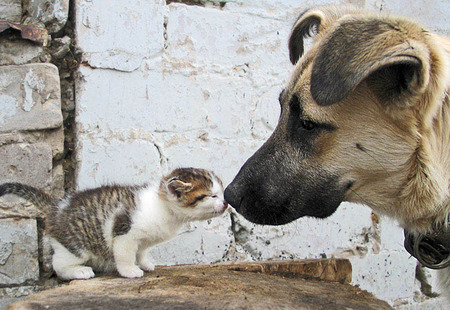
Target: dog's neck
{"points": [[426, 195], [432, 250]]}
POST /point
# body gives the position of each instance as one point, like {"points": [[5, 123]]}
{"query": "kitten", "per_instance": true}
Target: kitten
{"points": [[111, 227]]}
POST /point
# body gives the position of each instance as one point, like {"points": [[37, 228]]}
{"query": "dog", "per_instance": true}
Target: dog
{"points": [[365, 118]]}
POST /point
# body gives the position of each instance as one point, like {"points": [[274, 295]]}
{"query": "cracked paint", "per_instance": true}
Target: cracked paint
{"points": [[32, 84]]}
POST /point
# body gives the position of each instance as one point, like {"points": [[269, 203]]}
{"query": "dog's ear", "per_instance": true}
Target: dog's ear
{"points": [[311, 22], [393, 61], [306, 25]]}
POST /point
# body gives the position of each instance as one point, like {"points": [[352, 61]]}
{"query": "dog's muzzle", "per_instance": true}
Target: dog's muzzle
{"points": [[431, 250]]}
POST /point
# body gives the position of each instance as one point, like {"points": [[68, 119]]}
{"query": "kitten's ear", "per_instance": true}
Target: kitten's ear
{"points": [[177, 187]]}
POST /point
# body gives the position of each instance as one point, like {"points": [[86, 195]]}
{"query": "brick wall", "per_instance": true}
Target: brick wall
{"points": [[31, 136], [163, 84]]}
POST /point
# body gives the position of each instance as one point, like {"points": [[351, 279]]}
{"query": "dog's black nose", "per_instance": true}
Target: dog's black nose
{"points": [[232, 197]]}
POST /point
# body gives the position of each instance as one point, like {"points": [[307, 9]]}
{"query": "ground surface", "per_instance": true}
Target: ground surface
{"points": [[306, 284]]}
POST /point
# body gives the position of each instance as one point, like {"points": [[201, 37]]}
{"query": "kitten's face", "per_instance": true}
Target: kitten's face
{"points": [[196, 194]]}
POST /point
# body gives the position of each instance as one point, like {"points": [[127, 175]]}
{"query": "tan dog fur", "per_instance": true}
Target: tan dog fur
{"points": [[405, 173], [403, 167], [382, 84]]}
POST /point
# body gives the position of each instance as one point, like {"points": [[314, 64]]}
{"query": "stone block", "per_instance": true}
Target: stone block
{"points": [[19, 52], [18, 251], [52, 13], [11, 10], [30, 163], [29, 97], [119, 37]]}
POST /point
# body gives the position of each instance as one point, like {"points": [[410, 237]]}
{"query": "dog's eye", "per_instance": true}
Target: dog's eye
{"points": [[307, 125]]}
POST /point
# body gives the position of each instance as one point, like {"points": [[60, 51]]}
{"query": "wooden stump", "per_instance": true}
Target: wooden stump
{"points": [[303, 284]]}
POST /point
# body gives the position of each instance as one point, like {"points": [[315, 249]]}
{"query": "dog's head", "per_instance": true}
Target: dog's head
{"points": [[353, 120]]}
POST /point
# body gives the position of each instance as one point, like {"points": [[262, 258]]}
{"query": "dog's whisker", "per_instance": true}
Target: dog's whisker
{"points": [[359, 196], [366, 151]]}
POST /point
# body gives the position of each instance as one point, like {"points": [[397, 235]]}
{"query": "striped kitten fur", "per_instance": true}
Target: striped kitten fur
{"points": [[111, 227]]}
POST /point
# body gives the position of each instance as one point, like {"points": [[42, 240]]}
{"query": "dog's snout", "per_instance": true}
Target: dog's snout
{"points": [[231, 196]]}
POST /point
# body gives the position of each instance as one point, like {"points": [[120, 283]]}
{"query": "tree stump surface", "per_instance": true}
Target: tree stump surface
{"points": [[298, 284]]}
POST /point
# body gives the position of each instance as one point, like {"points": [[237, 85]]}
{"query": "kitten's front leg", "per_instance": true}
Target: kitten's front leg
{"points": [[125, 249], [143, 260]]}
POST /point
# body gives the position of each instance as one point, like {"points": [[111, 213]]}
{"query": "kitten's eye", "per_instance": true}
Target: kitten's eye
{"points": [[214, 196], [307, 125]]}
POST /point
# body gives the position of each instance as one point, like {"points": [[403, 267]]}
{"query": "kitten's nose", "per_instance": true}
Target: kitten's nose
{"points": [[224, 207]]}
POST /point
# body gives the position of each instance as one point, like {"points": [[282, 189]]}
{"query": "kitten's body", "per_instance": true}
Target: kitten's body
{"points": [[111, 227]]}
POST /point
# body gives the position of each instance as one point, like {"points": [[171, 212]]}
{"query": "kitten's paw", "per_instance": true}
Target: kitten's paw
{"points": [[147, 265], [130, 272], [82, 273]]}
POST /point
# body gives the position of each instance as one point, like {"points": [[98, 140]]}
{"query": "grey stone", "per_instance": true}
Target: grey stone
{"points": [[18, 251], [19, 51], [11, 10], [9, 295], [60, 47], [30, 163], [18, 208], [30, 97], [53, 137], [52, 13]]}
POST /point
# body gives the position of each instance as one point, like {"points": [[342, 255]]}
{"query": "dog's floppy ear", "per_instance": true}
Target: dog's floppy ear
{"points": [[394, 63], [308, 23], [311, 22]]}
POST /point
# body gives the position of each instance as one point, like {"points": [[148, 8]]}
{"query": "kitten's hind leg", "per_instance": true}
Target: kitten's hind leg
{"points": [[67, 265], [143, 260], [125, 249]]}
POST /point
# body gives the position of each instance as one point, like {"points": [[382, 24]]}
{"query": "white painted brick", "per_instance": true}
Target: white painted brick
{"points": [[118, 35], [434, 14], [157, 101], [229, 42], [389, 275], [104, 161], [198, 243], [308, 237]]}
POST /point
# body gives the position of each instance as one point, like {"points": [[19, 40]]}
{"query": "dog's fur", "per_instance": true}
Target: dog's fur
{"points": [[364, 118]]}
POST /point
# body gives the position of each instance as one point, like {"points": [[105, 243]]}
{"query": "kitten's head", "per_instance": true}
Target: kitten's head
{"points": [[195, 194]]}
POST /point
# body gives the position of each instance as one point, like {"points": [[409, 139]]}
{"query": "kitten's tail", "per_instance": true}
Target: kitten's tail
{"points": [[36, 196]]}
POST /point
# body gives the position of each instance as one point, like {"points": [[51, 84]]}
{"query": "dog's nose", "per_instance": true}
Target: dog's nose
{"points": [[231, 196]]}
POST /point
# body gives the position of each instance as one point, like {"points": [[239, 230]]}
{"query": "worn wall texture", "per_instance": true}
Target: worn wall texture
{"points": [[31, 134], [164, 84]]}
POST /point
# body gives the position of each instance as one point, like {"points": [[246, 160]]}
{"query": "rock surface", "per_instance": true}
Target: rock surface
{"points": [[270, 285], [30, 97], [18, 251]]}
